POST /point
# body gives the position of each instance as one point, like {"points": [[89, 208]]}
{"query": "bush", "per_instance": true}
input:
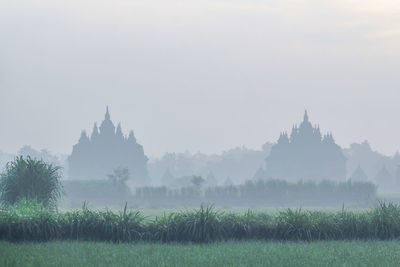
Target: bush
{"points": [[27, 178]]}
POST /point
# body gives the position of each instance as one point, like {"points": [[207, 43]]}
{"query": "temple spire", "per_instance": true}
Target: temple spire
{"points": [[107, 127], [305, 116], [107, 116]]}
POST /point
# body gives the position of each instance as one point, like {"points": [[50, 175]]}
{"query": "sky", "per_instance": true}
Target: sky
{"points": [[204, 75]]}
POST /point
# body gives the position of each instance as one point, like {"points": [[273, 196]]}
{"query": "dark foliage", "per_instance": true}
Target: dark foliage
{"points": [[262, 194], [28, 178], [31, 221]]}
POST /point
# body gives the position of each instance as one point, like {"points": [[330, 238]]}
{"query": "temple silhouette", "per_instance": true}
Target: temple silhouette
{"points": [[306, 155], [107, 149]]}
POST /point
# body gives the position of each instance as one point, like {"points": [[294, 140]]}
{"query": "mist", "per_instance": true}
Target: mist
{"points": [[208, 89], [194, 76]]}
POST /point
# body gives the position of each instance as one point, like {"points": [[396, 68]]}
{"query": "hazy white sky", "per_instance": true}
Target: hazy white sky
{"points": [[200, 75]]}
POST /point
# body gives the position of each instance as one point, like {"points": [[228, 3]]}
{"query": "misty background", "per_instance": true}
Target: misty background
{"points": [[207, 87], [199, 76]]}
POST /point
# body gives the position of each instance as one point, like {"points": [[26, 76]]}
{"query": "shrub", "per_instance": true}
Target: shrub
{"points": [[27, 178]]}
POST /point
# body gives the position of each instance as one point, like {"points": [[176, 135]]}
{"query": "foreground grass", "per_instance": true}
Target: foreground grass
{"points": [[332, 253], [27, 221]]}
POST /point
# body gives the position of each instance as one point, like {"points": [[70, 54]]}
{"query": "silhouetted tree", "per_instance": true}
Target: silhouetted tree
{"points": [[119, 176], [197, 181]]}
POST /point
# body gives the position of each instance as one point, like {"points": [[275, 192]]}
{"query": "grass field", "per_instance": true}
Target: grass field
{"points": [[333, 253]]}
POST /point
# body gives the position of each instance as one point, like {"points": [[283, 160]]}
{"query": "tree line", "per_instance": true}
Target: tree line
{"points": [[27, 178]]}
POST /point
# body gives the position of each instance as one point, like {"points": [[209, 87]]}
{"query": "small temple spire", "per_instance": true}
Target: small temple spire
{"points": [[83, 133], [84, 137], [119, 131], [131, 137], [283, 138], [95, 132], [107, 116]]}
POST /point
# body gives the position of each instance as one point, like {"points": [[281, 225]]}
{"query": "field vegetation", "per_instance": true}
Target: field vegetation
{"points": [[31, 221]]}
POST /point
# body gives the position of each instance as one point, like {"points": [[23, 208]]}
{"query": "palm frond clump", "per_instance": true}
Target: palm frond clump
{"points": [[28, 178]]}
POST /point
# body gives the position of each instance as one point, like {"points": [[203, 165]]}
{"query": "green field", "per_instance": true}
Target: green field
{"points": [[333, 253]]}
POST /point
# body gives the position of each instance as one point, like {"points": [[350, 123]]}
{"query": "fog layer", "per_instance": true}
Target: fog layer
{"points": [[198, 75]]}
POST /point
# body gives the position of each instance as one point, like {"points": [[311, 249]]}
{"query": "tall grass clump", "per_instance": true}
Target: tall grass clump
{"points": [[97, 225], [250, 225], [201, 225], [31, 220], [27, 178], [385, 220]]}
